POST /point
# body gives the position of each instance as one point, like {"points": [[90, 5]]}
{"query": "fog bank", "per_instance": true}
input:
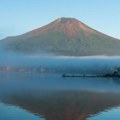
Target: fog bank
{"points": [[91, 64]]}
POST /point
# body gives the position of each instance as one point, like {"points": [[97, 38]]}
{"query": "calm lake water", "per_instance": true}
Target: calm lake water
{"points": [[27, 96]]}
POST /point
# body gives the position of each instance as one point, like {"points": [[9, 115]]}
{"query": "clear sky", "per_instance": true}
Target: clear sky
{"points": [[20, 16]]}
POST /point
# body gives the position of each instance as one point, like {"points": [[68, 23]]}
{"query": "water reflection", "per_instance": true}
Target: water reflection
{"points": [[66, 105], [10, 112], [62, 99]]}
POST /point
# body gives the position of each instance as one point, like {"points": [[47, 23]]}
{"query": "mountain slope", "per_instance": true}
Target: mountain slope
{"points": [[64, 36]]}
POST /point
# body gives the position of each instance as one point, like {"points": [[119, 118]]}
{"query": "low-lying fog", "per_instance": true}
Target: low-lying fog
{"points": [[69, 64]]}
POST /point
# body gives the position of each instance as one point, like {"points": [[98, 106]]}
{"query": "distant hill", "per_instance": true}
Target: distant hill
{"points": [[64, 36]]}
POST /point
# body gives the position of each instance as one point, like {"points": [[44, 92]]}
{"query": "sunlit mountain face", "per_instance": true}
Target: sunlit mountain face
{"points": [[64, 36]]}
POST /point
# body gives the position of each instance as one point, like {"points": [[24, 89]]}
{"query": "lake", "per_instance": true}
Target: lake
{"points": [[34, 96]]}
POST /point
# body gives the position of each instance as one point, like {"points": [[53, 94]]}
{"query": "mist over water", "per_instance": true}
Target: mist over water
{"points": [[26, 92], [92, 64]]}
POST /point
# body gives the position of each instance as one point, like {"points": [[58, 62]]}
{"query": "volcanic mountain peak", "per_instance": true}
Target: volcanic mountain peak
{"points": [[64, 36], [70, 21], [69, 26], [66, 20]]}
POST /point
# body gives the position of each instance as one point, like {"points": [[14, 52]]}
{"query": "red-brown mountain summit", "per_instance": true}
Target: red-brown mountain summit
{"points": [[70, 27], [64, 36]]}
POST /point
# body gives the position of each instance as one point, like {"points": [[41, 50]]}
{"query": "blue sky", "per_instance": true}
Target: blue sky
{"points": [[20, 16]]}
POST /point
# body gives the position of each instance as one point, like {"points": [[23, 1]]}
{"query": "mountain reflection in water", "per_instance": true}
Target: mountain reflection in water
{"points": [[62, 103]]}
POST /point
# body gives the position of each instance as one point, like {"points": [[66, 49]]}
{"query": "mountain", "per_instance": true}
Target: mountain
{"points": [[64, 36]]}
